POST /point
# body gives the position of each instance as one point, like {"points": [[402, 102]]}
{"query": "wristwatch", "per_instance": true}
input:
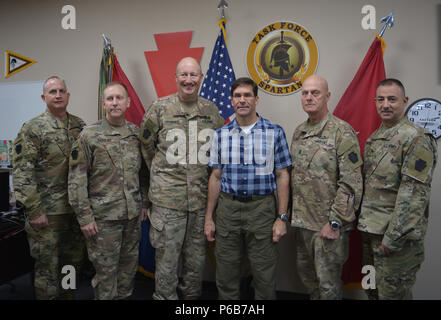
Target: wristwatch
{"points": [[335, 225], [284, 217]]}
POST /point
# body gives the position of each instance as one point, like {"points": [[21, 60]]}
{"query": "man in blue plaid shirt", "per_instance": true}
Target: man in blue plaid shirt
{"points": [[249, 158]]}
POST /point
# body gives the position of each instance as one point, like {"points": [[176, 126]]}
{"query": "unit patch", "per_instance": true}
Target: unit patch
{"points": [[353, 157]]}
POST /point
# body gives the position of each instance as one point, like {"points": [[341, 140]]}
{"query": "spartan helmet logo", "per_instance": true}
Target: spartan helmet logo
{"points": [[280, 57]]}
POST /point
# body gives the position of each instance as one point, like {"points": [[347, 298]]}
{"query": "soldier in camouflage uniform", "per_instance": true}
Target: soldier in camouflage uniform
{"points": [[106, 194], [399, 160], [326, 186], [176, 132], [41, 164]]}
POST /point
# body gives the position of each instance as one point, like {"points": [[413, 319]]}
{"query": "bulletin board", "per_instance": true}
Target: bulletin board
{"points": [[19, 102]]}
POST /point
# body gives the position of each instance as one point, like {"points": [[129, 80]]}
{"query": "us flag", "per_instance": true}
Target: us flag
{"points": [[219, 77]]}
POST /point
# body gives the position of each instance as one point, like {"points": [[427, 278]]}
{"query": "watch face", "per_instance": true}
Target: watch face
{"points": [[334, 225], [427, 114]]}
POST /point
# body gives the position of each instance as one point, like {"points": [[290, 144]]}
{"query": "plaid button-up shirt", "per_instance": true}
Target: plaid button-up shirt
{"points": [[248, 160]]}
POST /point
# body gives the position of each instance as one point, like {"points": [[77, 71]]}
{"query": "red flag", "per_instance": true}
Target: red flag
{"points": [[136, 111], [357, 107]]}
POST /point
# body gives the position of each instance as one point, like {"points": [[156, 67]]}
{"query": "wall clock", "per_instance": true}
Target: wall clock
{"points": [[427, 114]]}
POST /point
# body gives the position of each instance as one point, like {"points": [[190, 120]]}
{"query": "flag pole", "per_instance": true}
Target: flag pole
{"points": [[222, 6], [106, 70], [107, 42], [388, 22]]}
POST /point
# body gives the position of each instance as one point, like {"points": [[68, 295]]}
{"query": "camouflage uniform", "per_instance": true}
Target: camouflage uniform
{"points": [[40, 173], [327, 185], [398, 171], [104, 187], [175, 143]]}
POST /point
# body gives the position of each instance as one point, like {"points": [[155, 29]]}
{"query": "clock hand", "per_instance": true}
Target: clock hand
{"points": [[427, 119]]}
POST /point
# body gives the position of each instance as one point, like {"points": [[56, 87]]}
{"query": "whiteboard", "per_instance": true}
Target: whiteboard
{"points": [[19, 102]]}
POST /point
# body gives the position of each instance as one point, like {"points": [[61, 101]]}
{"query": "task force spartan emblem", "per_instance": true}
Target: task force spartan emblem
{"points": [[280, 56]]}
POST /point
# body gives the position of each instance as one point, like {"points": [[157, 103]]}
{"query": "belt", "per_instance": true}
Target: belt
{"points": [[245, 198]]}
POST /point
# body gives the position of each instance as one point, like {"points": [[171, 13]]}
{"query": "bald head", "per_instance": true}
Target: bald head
{"points": [[318, 81], [315, 97], [188, 61]]}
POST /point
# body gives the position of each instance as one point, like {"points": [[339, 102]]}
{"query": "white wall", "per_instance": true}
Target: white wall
{"points": [[33, 29]]}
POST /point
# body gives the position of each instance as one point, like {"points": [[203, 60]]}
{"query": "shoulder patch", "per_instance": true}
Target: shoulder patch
{"points": [[18, 149], [419, 165], [74, 154], [146, 134], [353, 157]]}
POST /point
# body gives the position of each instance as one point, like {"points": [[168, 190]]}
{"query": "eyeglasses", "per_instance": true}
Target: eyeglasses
{"points": [[184, 75], [245, 95]]}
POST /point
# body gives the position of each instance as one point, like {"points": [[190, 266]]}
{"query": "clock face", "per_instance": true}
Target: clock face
{"points": [[427, 114]]}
